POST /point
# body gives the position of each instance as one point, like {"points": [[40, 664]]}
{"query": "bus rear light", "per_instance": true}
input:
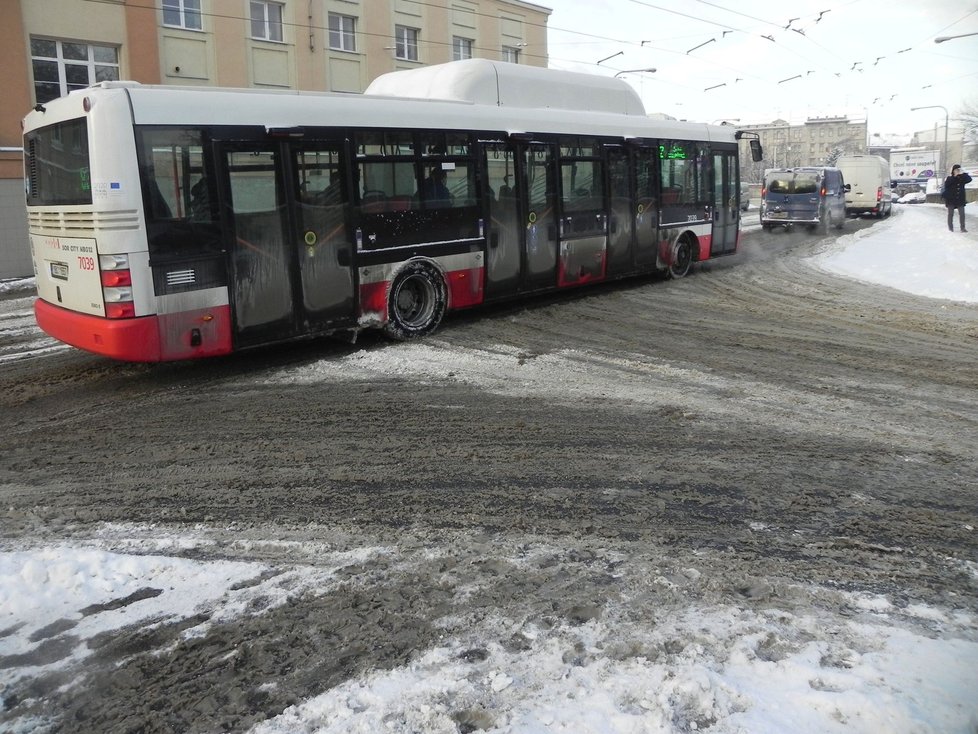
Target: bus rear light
{"points": [[118, 302], [117, 295], [116, 281], [125, 310], [115, 278], [113, 262]]}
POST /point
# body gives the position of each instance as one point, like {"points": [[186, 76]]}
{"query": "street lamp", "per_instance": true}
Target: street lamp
{"points": [[942, 39], [938, 107], [650, 70]]}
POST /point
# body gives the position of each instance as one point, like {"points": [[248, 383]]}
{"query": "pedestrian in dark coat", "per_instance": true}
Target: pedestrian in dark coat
{"points": [[953, 194]]}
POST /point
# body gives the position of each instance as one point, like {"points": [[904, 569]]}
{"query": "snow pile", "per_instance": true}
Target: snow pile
{"points": [[912, 251], [718, 669]]}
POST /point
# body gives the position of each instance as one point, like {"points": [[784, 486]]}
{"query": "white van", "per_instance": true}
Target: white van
{"points": [[868, 185]]}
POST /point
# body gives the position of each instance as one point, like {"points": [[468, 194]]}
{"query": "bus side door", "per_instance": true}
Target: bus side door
{"points": [[289, 250], [620, 219], [726, 215], [522, 242], [540, 243]]}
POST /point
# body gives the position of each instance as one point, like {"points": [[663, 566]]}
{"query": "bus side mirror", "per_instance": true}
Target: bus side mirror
{"points": [[756, 152]]}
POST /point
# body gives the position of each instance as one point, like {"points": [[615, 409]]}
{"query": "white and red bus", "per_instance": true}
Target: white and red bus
{"points": [[171, 223]]}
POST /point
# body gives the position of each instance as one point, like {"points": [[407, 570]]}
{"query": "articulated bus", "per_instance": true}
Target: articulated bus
{"points": [[171, 223]]}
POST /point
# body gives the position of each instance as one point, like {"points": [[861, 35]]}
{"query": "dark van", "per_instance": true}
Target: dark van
{"points": [[813, 196]]}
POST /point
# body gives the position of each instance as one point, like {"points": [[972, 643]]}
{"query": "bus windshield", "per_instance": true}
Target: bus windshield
{"points": [[57, 166]]}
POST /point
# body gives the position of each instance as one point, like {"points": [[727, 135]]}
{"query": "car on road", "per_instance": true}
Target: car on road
{"points": [[914, 197], [744, 197], [812, 196]]}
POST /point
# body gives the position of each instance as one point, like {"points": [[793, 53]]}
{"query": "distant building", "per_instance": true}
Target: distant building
{"points": [[819, 141], [52, 47]]}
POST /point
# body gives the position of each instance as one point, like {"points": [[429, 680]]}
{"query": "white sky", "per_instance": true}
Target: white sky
{"points": [[835, 60], [849, 663]]}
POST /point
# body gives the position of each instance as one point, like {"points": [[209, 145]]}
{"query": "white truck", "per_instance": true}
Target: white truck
{"points": [[867, 185]]}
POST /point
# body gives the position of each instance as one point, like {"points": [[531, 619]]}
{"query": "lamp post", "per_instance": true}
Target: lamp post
{"points": [[946, 120], [650, 70]]}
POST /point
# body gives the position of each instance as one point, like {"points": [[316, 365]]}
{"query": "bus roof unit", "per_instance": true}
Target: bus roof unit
{"points": [[501, 84]]}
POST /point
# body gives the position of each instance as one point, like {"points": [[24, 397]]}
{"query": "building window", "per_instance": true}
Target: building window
{"points": [[511, 54], [342, 32], [461, 48], [182, 14], [406, 43], [266, 20], [61, 66]]}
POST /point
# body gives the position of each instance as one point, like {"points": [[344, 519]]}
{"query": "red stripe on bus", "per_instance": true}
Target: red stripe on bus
{"points": [[373, 300], [705, 242], [465, 288], [203, 332], [134, 340]]}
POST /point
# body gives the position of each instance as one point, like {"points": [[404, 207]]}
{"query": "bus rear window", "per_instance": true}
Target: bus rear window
{"points": [[57, 167]]}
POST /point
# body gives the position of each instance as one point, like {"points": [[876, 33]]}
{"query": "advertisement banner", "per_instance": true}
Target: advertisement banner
{"points": [[909, 166]]}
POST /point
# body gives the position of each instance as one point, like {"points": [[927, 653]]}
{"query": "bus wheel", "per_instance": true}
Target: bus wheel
{"points": [[682, 260], [416, 303]]}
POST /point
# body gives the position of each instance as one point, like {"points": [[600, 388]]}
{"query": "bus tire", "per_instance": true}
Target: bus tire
{"points": [[682, 259], [416, 302]]}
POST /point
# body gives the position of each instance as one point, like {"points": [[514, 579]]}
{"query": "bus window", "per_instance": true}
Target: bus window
{"points": [[58, 170], [178, 192], [678, 173], [449, 185], [172, 165], [387, 186], [253, 183], [581, 185]]}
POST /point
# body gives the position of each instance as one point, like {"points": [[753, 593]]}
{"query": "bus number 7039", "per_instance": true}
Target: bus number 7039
{"points": [[213, 220]]}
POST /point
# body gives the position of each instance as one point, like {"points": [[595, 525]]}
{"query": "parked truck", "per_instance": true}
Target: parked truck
{"points": [[868, 185]]}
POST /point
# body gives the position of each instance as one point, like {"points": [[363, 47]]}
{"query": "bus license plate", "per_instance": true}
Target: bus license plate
{"points": [[59, 270]]}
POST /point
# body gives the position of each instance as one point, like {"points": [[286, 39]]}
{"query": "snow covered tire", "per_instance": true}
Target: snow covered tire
{"points": [[417, 301]]}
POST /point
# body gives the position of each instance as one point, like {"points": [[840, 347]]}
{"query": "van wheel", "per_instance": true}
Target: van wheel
{"points": [[417, 302], [682, 259]]}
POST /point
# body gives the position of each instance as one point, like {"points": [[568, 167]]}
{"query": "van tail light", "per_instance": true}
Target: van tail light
{"points": [[879, 194], [763, 192], [822, 192], [116, 281]]}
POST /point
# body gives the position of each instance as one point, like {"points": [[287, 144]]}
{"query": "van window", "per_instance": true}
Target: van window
{"points": [[792, 182]]}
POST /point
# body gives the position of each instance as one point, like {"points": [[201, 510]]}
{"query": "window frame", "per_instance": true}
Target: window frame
{"points": [[90, 64], [341, 33], [268, 24], [186, 14], [462, 48], [407, 38], [510, 54]]}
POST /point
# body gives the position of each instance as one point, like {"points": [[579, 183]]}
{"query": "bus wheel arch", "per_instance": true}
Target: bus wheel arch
{"points": [[417, 300], [683, 255]]}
